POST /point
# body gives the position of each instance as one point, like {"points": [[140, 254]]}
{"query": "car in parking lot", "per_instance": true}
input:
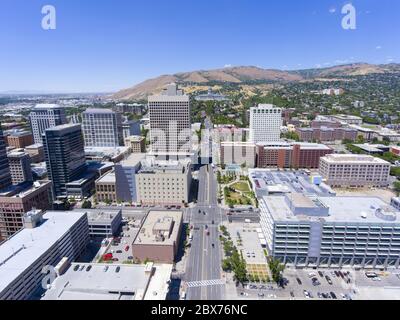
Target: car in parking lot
{"points": [[333, 295], [292, 294], [320, 274], [306, 294], [299, 281], [328, 279], [315, 282]]}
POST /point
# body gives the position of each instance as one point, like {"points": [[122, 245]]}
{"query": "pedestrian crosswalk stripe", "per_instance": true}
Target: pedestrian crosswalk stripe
{"points": [[205, 283]]}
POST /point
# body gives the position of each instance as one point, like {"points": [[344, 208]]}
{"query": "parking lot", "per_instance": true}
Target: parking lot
{"points": [[121, 248], [345, 284]]}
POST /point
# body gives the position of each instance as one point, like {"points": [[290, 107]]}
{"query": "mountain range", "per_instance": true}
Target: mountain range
{"points": [[251, 76]]}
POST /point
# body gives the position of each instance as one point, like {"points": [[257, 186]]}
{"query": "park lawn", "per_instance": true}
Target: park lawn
{"points": [[241, 186]]}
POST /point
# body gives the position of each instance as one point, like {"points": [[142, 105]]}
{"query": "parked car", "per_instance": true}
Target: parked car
{"points": [[333, 295], [328, 279], [299, 281], [306, 294]]}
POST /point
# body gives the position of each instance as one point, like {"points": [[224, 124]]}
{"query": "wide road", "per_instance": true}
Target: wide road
{"points": [[204, 261]]}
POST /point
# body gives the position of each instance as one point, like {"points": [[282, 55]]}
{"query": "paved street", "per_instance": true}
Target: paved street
{"points": [[204, 262]]}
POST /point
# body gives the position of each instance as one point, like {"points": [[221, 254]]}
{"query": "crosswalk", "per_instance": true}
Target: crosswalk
{"points": [[205, 283]]}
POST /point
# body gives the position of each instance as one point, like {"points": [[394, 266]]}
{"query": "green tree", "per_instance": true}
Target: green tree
{"points": [[276, 268], [87, 204], [396, 186]]}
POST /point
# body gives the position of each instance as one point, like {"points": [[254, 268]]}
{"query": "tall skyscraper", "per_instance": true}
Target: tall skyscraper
{"points": [[265, 123], [102, 128], [170, 128], [45, 116], [5, 176], [65, 155]]}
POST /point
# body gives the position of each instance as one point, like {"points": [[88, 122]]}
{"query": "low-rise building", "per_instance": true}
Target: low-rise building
{"points": [[106, 189], [103, 223], [158, 238], [96, 281], [136, 143], [331, 231], [44, 241], [342, 170]]}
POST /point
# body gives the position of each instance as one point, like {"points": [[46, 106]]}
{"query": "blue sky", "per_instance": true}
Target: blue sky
{"points": [[106, 45]]}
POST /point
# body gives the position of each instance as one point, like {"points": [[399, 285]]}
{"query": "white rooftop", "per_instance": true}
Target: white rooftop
{"points": [[19, 252], [111, 282]]}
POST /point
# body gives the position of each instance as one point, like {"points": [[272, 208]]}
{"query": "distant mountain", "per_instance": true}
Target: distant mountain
{"points": [[250, 75]]}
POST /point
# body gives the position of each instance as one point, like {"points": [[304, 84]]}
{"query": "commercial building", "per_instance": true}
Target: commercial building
{"points": [[131, 128], [19, 138], [290, 155], [331, 231], [82, 187], [106, 154], [125, 177], [36, 152], [170, 126], [45, 241], [326, 134], [45, 116], [102, 128], [158, 238], [103, 223], [342, 170], [346, 119], [15, 201], [20, 167], [5, 176], [164, 183], [65, 156], [122, 282], [241, 153], [265, 123], [137, 144], [267, 182], [106, 188]]}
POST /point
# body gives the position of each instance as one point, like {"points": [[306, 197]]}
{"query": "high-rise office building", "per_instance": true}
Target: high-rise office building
{"points": [[65, 155], [170, 128], [5, 176], [265, 123], [102, 128], [20, 167], [45, 116]]}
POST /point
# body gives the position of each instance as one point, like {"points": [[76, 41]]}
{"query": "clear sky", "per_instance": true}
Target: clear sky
{"points": [[106, 45]]}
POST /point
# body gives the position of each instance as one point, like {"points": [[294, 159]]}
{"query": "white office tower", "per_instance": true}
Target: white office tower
{"points": [[170, 128], [45, 116], [102, 128], [265, 123]]}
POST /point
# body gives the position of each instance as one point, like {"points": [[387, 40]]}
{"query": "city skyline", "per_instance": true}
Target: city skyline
{"points": [[107, 47]]}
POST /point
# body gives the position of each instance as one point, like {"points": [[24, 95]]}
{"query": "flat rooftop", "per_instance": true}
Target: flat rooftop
{"points": [[24, 189], [353, 159], [109, 177], [286, 181], [133, 159], [341, 210], [100, 216], [103, 282], [287, 145], [98, 110], [20, 251], [47, 106], [160, 228]]}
